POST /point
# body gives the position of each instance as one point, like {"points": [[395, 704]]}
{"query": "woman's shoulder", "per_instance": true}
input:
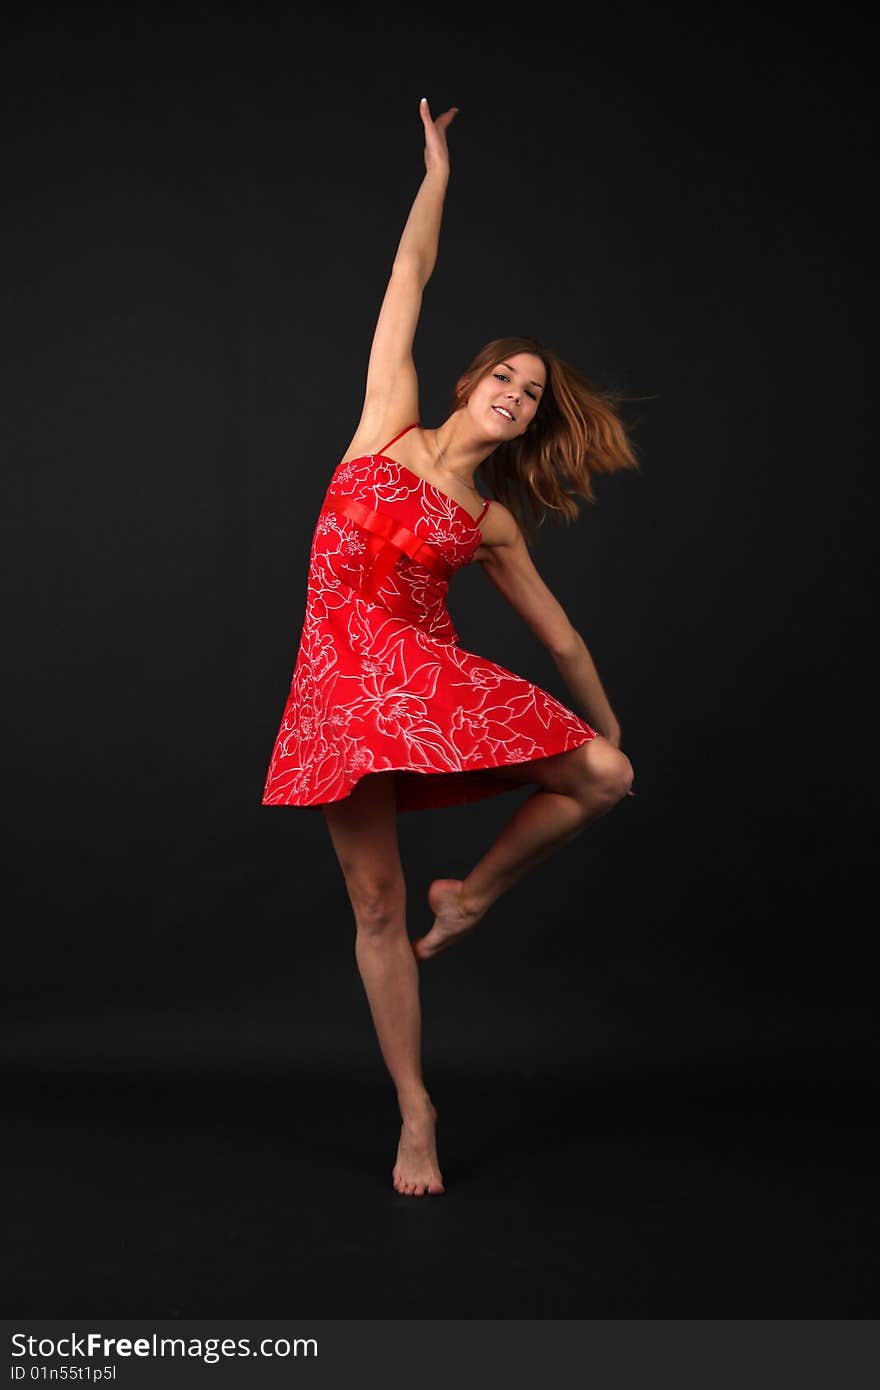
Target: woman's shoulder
{"points": [[498, 528]]}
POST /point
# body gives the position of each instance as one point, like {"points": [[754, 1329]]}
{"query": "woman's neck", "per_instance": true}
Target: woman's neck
{"points": [[457, 452]]}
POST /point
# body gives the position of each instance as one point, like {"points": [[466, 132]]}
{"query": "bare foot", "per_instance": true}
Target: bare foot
{"points": [[453, 918], [417, 1171]]}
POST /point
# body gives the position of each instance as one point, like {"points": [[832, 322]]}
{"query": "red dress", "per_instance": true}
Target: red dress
{"points": [[381, 681]]}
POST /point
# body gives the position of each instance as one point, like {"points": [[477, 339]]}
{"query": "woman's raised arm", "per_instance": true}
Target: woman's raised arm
{"points": [[391, 400]]}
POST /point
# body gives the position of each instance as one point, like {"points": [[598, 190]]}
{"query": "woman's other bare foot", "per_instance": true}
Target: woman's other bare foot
{"points": [[453, 917], [417, 1171]]}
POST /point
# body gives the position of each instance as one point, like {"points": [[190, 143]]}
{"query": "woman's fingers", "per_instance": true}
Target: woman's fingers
{"points": [[442, 122], [436, 152]]}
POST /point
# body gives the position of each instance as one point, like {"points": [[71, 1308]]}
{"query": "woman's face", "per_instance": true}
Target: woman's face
{"points": [[504, 401]]}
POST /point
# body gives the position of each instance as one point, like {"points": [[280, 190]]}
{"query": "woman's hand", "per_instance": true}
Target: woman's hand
{"points": [[436, 153]]}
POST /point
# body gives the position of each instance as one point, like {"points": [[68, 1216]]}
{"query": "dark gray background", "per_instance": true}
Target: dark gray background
{"points": [[200, 220]]}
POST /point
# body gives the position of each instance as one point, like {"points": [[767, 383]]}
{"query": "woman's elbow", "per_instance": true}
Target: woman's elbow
{"points": [[565, 644], [413, 266]]}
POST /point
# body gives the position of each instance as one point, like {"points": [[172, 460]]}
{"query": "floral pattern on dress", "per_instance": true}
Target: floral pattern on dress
{"points": [[384, 684]]}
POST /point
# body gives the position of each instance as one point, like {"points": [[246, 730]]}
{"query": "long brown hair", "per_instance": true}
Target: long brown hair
{"points": [[575, 433]]}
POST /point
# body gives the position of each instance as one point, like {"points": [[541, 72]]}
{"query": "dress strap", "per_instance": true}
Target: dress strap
{"points": [[398, 436]]}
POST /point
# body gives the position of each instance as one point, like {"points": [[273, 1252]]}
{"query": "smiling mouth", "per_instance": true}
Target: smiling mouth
{"points": [[504, 413]]}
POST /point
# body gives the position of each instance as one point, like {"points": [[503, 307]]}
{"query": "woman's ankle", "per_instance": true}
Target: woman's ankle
{"points": [[414, 1101]]}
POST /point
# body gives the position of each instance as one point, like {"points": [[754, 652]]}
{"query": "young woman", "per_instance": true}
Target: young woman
{"points": [[387, 712]]}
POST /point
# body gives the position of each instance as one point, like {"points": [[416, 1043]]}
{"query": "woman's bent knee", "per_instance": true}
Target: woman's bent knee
{"points": [[627, 776], [608, 772]]}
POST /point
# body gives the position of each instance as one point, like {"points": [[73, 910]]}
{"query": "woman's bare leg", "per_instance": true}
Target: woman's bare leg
{"points": [[576, 788], [363, 828]]}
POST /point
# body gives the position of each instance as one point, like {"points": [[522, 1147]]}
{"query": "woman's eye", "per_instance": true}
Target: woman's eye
{"points": [[500, 376]]}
